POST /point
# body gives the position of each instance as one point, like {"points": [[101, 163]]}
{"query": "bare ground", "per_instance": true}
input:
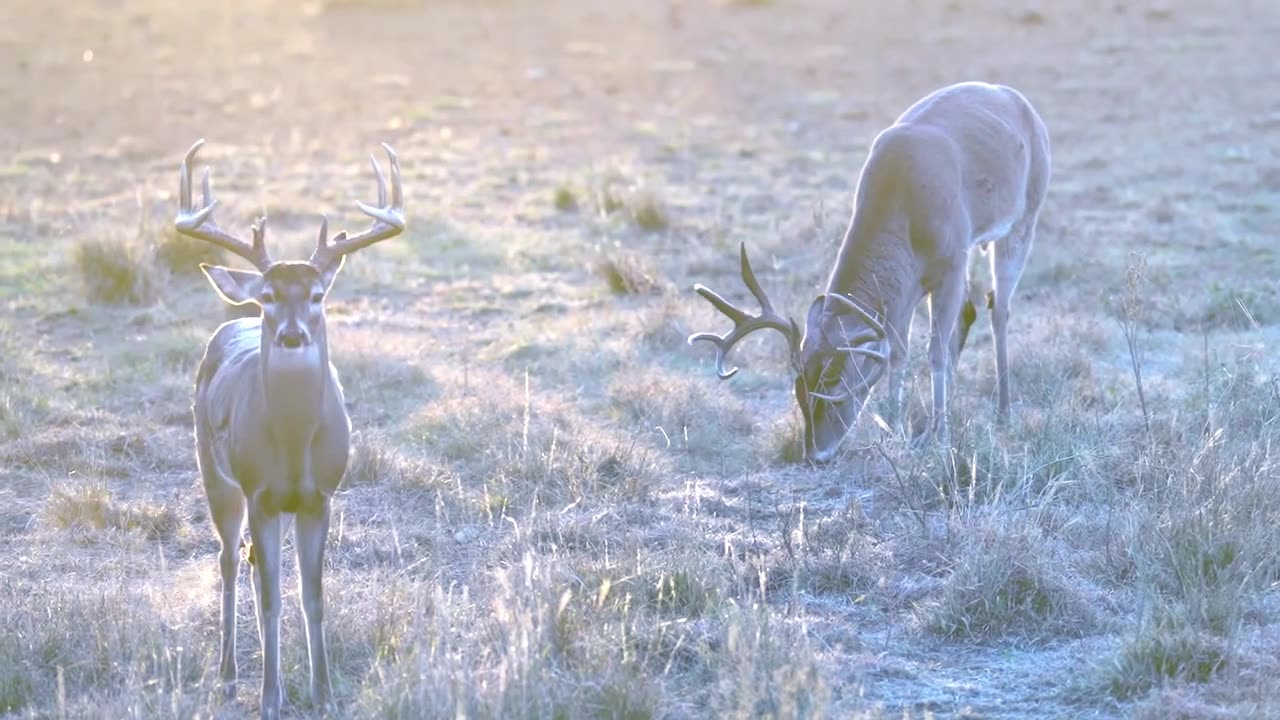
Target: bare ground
{"points": [[556, 510]]}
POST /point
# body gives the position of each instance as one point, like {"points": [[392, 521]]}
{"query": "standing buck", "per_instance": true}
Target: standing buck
{"points": [[272, 433], [966, 166]]}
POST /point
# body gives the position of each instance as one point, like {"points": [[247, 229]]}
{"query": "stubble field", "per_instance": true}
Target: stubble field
{"points": [[555, 509]]}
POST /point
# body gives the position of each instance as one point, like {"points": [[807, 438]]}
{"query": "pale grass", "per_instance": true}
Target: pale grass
{"points": [[554, 508]]}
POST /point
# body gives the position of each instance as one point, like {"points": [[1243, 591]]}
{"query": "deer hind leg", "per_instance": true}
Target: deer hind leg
{"points": [[1007, 262], [311, 534], [265, 532]]}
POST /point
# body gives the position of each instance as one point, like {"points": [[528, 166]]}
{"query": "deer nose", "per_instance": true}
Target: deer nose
{"points": [[291, 339]]}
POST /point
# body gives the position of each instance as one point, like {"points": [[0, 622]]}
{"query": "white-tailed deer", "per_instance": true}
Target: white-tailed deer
{"points": [[272, 431], [966, 166]]}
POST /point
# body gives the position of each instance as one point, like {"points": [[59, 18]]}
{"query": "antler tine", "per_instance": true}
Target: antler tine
{"points": [[749, 277], [388, 218], [875, 324], [865, 381], [200, 224], [743, 323]]}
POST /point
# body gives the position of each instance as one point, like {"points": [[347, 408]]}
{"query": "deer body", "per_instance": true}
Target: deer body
{"points": [[272, 436], [272, 431], [966, 166], [276, 427]]}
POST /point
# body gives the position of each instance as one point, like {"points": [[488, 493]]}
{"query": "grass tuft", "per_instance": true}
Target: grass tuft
{"points": [[648, 211], [1007, 582], [116, 272], [565, 199], [626, 274], [182, 255], [1162, 651], [92, 508]]}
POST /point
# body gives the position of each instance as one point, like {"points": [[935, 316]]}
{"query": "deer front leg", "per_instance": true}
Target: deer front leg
{"points": [[311, 533], [944, 313], [227, 510], [899, 351], [264, 531]]}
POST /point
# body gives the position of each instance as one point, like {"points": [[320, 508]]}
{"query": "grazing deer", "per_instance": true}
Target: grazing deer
{"points": [[272, 432], [966, 166]]}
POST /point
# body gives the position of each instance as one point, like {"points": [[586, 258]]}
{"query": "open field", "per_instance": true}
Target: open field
{"points": [[555, 508]]}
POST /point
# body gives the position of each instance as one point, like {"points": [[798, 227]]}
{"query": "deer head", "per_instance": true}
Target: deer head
{"points": [[291, 294], [841, 354]]}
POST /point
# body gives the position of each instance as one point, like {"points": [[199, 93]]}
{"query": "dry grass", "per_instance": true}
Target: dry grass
{"points": [[626, 274], [1007, 580], [553, 508], [91, 509], [114, 271]]}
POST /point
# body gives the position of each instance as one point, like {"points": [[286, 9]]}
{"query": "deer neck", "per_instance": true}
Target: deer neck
{"points": [[878, 271], [295, 387]]}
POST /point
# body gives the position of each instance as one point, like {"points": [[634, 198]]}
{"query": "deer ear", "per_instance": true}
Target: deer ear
{"points": [[330, 272], [237, 287], [815, 311]]}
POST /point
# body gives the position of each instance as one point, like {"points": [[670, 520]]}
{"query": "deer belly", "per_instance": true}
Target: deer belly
{"points": [[995, 231]]}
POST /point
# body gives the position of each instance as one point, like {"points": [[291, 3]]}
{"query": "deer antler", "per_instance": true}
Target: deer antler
{"points": [[858, 344], [870, 342], [388, 219], [200, 224], [743, 323]]}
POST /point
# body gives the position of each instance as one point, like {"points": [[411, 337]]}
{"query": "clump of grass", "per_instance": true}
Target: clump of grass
{"points": [[565, 199], [614, 191], [1007, 582], [1163, 650], [87, 507], [92, 508], [628, 275], [648, 211], [116, 272], [182, 255]]}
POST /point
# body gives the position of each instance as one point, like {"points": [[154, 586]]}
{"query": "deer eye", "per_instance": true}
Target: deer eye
{"points": [[267, 297], [317, 298]]}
